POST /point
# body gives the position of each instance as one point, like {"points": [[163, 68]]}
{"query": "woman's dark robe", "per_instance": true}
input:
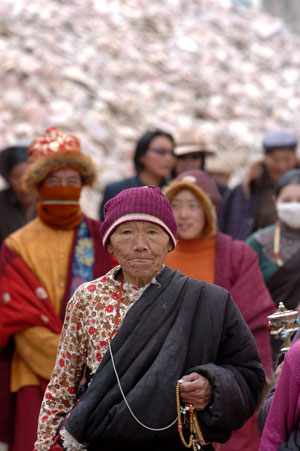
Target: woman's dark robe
{"points": [[178, 326]]}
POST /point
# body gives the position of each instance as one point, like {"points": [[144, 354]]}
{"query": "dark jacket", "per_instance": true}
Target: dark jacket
{"points": [[115, 188], [238, 212], [179, 325], [12, 214]]}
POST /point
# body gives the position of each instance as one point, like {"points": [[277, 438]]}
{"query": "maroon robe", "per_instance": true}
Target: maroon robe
{"points": [[24, 309], [238, 271]]}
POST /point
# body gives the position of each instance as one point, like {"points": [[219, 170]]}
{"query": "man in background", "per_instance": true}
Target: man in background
{"points": [[41, 266], [17, 206], [250, 205]]}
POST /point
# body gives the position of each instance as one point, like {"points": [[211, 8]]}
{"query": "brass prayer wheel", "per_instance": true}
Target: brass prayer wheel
{"points": [[282, 324]]}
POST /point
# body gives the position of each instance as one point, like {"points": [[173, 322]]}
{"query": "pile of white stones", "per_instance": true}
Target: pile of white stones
{"points": [[108, 70]]}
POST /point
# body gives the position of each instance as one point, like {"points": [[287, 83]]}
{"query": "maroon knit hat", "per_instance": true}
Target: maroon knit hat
{"points": [[204, 181], [145, 203]]}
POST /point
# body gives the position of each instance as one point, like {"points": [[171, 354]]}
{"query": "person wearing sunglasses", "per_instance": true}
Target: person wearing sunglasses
{"points": [[153, 160], [191, 154]]}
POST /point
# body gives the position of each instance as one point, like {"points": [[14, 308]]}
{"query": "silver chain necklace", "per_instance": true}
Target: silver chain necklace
{"points": [[128, 406]]}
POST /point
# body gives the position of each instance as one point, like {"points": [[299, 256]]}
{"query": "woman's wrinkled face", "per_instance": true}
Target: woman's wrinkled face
{"points": [[189, 215], [140, 247]]}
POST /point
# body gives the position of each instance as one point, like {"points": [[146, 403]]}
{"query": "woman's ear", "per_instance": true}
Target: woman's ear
{"points": [[142, 158], [110, 248], [170, 245]]}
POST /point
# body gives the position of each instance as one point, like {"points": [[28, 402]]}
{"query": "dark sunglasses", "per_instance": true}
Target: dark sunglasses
{"points": [[191, 156], [161, 151]]}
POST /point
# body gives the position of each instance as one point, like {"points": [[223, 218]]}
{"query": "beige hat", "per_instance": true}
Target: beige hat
{"points": [[190, 141], [184, 148]]}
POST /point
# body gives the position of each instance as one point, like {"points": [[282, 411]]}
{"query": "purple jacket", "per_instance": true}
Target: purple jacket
{"points": [[237, 213], [284, 413]]}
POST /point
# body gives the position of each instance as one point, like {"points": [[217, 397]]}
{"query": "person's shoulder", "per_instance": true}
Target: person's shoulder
{"points": [[233, 191], [216, 290], [262, 236], [232, 196], [8, 200], [295, 348], [224, 238], [94, 286], [24, 232], [237, 247], [129, 182], [195, 283], [84, 295], [242, 247], [210, 290], [5, 194], [265, 230], [293, 358]]}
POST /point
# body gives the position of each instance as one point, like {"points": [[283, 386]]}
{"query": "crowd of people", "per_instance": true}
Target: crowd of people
{"points": [[147, 329]]}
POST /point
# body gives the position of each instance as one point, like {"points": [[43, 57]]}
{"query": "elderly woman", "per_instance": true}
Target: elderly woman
{"points": [[206, 254], [141, 335]]}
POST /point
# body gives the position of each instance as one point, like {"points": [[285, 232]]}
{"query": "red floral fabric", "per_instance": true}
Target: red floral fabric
{"points": [[88, 327]]}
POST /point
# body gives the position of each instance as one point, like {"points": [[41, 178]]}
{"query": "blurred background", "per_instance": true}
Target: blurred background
{"points": [[107, 70]]}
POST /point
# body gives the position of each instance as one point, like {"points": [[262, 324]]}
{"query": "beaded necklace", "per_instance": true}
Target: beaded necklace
{"points": [[276, 245], [196, 440]]}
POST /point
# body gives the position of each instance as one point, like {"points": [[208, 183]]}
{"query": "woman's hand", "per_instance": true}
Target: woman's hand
{"points": [[196, 389]]}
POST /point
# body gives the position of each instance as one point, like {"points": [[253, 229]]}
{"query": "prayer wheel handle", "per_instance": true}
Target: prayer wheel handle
{"points": [[283, 324]]}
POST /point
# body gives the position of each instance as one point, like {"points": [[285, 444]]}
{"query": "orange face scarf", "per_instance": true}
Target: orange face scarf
{"points": [[59, 206]]}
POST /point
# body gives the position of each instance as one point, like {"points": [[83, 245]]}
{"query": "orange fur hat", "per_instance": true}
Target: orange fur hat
{"points": [[54, 150]]}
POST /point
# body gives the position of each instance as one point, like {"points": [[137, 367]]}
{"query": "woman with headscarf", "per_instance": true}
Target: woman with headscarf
{"points": [[135, 335], [206, 254]]}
